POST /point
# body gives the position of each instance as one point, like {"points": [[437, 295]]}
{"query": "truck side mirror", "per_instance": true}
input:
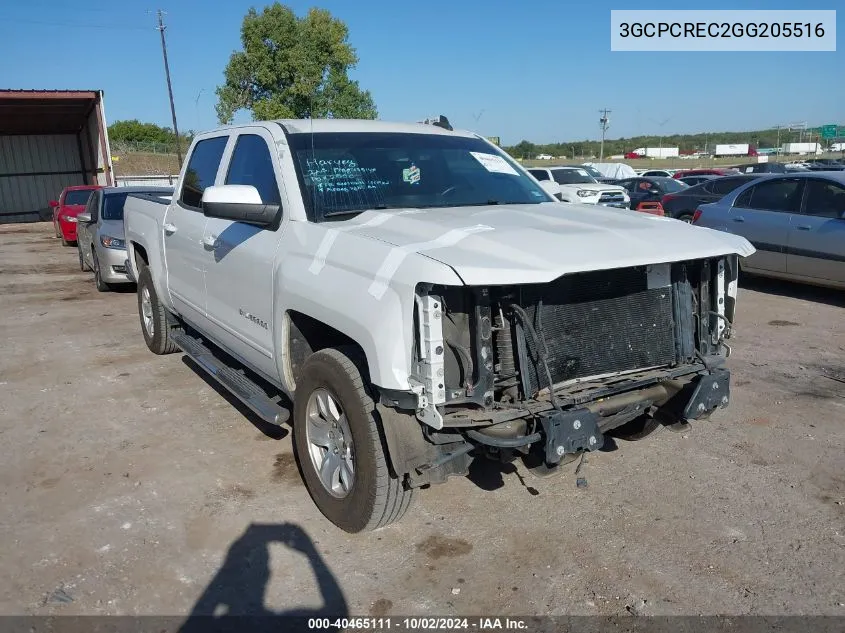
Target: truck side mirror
{"points": [[552, 188], [239, 203]]}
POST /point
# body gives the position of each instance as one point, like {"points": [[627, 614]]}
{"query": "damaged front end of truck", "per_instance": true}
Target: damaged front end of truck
{"points": [[547, 371]]}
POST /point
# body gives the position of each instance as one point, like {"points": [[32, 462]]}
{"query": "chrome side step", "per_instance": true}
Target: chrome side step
{"points": [[235, 381]]}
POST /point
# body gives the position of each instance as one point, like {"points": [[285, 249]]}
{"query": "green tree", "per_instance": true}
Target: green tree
{"points": [[293, 67], [134, 131], [523, 149]]}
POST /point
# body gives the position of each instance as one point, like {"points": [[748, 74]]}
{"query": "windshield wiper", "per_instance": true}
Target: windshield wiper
{"points": [[335, 214], [342, 212]]}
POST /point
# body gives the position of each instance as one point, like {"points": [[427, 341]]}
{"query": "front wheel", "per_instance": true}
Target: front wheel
{"points": [[102, 286], [157, 324], [82, 266], [339, 446]]}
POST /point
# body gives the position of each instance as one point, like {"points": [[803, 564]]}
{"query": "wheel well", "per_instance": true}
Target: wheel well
{"points": [[307, 335], [140, 255]]}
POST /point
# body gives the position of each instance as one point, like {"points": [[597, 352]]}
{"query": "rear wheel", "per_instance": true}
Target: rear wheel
{"points": [[685, 217], [339, 447], [157, 324]]}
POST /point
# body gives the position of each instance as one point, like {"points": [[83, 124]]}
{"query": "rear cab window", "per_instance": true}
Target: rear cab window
{"points": [[202, 170]]}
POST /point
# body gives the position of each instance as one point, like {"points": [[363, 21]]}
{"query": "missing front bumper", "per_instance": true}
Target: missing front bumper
{"points": [[582, 428], [570, 432]]}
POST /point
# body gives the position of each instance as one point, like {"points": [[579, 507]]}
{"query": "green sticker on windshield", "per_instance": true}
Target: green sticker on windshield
{"points": [[411, 175]]}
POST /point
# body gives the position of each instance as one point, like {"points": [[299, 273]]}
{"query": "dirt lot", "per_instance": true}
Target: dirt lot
{"points": [[131, 486]]}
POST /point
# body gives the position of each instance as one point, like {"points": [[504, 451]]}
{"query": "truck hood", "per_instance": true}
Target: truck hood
{"points": [[503, 244]]}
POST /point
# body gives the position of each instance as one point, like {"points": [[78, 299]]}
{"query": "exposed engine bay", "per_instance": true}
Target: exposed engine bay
{"points": [[550, 368]]}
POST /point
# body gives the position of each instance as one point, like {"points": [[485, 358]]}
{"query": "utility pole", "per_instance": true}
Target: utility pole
{"points": [[604, 122], [161, 28]]}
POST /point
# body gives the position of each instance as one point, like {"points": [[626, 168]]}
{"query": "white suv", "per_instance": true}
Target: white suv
{"points": [[577, 185]]}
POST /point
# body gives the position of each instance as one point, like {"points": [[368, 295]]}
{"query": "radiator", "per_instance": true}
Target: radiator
{"points": [[596, 323]]}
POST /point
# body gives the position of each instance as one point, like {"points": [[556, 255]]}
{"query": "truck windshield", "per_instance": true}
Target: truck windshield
{"points": [[345, 173], [572, 176]]}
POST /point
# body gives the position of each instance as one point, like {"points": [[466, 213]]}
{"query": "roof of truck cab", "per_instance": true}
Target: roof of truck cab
{"points": [[295, 126]]}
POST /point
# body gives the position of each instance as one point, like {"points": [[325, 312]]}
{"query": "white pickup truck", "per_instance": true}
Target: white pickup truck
{"points": [[419, 301]]}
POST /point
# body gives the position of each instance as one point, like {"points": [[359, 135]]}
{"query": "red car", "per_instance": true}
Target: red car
{"points": [[70, 204], [713, 171]]}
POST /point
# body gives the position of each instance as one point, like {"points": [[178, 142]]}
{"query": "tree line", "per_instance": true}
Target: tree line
{"points": [[700, 142], [135, 132]]}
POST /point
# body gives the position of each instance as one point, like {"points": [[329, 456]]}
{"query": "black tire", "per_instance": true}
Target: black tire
{"points": [[685, 217], [376, 498], [82, 265], [637, 429], [101, 285], [163, 324]]}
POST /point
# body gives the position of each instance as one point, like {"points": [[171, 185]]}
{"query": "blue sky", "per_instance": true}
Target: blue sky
{"points": [[539, 70]]}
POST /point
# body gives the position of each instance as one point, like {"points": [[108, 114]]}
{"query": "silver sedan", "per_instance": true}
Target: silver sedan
{"points": [[796, 222], [100, 235]]}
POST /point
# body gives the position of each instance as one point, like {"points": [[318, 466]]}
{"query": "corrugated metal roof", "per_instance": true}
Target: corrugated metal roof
{"points": [[45, 111], [46, 90]]}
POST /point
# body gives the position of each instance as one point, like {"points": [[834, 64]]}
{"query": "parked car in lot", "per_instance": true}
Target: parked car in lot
{"points": [[713, 171], [682, 204], [100, 237], [595, 173], [578, 186], [71, 203], [664, 173], [796, 222], [387, 279], [653, 189], [762, 168], [697, 180], [824, 164]]}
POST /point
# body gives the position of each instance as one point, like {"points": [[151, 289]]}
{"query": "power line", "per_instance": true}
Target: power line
{"points": [[161, 28], [74, 25], [604, 122]]}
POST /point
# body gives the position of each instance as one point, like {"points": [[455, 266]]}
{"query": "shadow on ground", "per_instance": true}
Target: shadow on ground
{"points": [[806, 292], [234, 599], [270, 430]]}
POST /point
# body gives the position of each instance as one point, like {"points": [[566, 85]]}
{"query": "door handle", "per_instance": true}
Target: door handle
{"points": [[209, 241], [170, 229], [739, 218], [803, 227]]}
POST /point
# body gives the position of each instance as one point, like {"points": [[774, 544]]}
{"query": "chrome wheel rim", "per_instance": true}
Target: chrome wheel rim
{"points": [[147, 311], [330, 443]]}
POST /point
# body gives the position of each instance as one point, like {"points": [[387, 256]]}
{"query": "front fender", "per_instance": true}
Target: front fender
{"points": [[338, 287]]}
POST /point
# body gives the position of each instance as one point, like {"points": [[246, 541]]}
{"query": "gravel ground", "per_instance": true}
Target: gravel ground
{"points": [[129, 485]]}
